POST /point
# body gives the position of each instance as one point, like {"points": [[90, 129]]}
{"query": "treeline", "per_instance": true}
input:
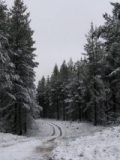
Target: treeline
{"points": [[17, 90], [88, 90]]}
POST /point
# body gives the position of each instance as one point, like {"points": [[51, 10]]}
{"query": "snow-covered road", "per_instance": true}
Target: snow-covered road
{"points": [[38, 146], [45, 150], [58, 140]]}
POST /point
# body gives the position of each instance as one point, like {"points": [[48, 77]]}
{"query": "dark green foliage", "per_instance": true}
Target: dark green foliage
{"points": [[41, 95], [17, 90], [6, 73], [21, 43]]}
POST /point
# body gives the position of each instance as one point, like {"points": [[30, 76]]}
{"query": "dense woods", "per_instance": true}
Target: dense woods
{"points": [[17, 89], [88, 90], [74, 113]]}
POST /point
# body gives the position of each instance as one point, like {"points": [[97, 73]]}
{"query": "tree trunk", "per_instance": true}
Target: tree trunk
{"points": [[58, 111], [95, 115]]}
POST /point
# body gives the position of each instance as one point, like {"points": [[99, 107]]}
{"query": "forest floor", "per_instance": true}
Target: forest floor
{"points": [[58, 140]]}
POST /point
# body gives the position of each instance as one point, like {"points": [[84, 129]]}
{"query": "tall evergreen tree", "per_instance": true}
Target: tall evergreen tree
{"points": [[96, 85], [41, 96], [47, 97], [110, 33], [55, 92], [6, 73], [22, 44], [64, 75]]}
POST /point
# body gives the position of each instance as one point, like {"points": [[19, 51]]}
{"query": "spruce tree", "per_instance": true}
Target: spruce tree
{"points": [[47, 97], [64, 76], [21, 43], [55, 92], [96, 85], [6, 73], [41, 96], [110, 33]]}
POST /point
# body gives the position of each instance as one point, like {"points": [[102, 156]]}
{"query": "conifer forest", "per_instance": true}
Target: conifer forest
{"points": [[73, 113], [89, 89]]}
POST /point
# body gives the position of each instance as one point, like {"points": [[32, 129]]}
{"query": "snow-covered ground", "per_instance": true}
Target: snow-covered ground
{"points": [[58, 140], [14, 147], [102, 145]]}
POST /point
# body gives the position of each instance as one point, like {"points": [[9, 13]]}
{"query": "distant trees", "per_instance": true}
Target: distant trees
{"points": [[90, 88], [17, 90]]}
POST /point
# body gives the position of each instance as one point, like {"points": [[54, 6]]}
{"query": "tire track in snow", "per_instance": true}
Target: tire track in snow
{"points": [[59, 128], [53, 134], [48, 146]]}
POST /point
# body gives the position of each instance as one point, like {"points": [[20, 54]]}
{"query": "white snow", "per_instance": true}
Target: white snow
{"points": [[79, 141], [21, 150], [102, 145], [13, 147]]}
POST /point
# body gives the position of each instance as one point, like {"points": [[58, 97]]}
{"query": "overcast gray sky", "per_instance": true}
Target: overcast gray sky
{"points": [[60, 27]]}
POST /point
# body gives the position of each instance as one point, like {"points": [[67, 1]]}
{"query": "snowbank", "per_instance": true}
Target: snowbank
{"points": [[103, 145], [14, 147]]}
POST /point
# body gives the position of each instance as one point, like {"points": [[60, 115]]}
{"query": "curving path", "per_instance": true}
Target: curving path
{"points": [[56, 130], [47, 146], [38, 147]]}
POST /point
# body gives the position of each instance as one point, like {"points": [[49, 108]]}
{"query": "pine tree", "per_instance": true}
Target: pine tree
{"points": [[64, 76], [21, 43], [55, 93], [6, 73], [110, 33], [47, 97], [81, 90], [41, 96], [96, 85]]}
